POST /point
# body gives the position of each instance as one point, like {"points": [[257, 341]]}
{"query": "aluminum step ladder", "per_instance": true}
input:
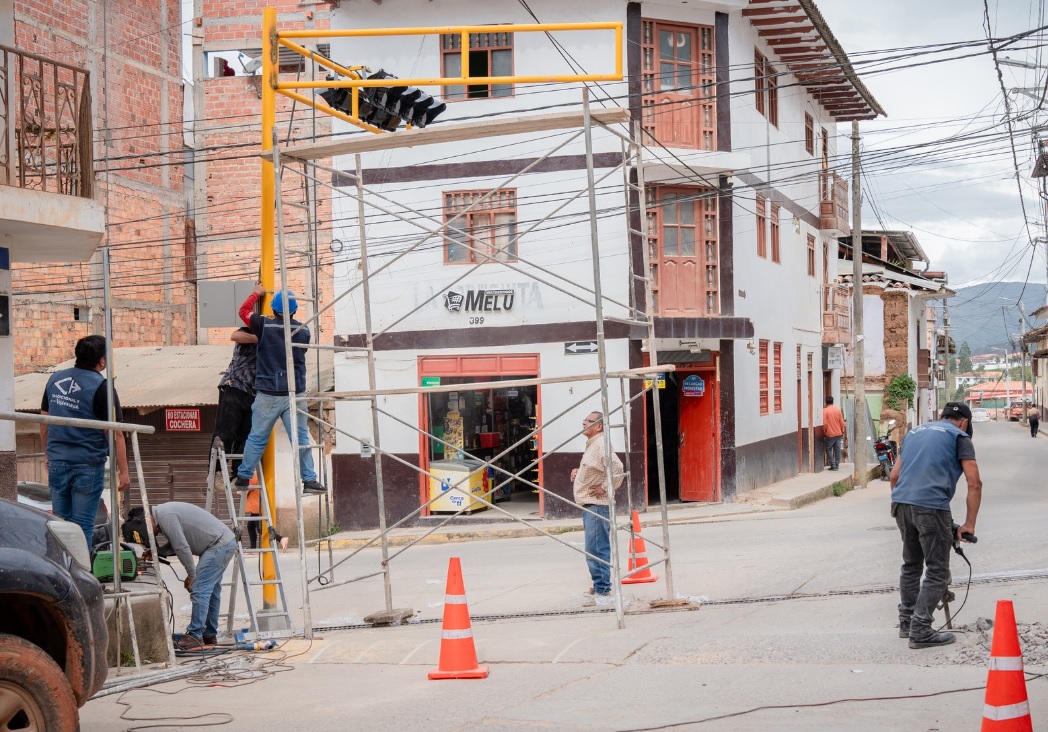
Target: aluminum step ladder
{"points": [[237, 518]]}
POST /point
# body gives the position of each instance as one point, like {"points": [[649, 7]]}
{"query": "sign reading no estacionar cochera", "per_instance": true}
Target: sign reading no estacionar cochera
{"points": [[182, 420], [479, 301], [693, 386]]}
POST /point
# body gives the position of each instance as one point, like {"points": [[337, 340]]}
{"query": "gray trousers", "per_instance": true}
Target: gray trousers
{"points": [[833, 450], [927, 537]]}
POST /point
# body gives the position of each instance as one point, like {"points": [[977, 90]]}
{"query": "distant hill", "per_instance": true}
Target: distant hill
{"points": [[984, 315]]}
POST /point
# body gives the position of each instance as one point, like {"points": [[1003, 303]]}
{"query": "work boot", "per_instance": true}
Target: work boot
{"points": [[904, 627], [922, 636], [313, 486], [242, 482], [210, 640]]}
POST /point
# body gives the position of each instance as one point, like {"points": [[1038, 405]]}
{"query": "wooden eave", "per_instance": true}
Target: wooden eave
{"points": [[796, 32]]}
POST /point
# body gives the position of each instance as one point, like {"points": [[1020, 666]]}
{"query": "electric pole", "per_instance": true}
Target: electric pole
{"points": [[1022, 347], [858, 350]]}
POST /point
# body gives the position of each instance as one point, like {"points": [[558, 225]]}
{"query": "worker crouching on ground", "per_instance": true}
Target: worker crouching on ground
{"points": [[192, 532], [271, 384], [923, 482]]}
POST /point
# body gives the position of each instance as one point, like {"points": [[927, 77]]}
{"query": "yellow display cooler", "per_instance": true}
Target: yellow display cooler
{"points": [[447, 473]]}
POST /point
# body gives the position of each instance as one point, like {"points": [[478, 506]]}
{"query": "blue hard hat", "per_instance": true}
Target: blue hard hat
{"points": [[278, 302]]}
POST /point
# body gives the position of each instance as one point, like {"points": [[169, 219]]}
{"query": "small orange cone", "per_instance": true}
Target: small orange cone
{"points": [[458, 655], [638, 558], [1007, 708]]}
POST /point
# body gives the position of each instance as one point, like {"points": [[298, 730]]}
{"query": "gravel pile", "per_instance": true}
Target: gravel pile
{"points": [[973, 644]]}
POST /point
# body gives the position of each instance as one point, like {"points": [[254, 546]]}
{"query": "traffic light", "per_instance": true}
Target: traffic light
{"points": [[386, 107]]}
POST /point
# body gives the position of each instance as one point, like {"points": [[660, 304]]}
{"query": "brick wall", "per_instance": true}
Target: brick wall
{"points": [[133, 52], [229, 226]]}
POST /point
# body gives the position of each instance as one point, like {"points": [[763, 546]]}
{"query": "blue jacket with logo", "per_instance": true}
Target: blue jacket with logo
{"points": [[931, 466], [71, 393]]}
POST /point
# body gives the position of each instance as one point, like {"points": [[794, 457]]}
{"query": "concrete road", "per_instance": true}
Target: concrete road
{"points": [[770, 664]]}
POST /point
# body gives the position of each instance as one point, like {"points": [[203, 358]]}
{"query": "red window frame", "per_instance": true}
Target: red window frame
{"points": [[701, 98], [776, 254], [759, 87], [465, 213], [706, 239], [762, 227], [771, 83], [809, 134], [491, 42], [777, 382], [811, 255], [763, 377]]}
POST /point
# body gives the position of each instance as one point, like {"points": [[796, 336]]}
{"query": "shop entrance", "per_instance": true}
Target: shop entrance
{"points": [[483, 423], [690, 435]]}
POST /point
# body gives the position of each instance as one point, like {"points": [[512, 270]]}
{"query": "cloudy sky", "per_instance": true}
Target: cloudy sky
{"points": [[959, 196]]}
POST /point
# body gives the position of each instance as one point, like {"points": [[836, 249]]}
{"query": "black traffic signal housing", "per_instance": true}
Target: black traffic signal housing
{"points": [[386, 107]]}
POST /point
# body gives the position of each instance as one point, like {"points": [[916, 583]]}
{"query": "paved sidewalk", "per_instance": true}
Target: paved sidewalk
{"points": [[786, 495]]}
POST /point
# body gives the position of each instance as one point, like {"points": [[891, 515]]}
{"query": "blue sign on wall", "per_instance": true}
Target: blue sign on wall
{"points": [[693, 386]]}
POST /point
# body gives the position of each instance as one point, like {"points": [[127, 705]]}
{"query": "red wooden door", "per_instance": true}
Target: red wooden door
{"points": [[675, 65], [679, 260], [699, 437]]}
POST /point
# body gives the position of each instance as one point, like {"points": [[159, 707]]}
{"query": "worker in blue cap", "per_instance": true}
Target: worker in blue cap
{"points": [[272, 387]]}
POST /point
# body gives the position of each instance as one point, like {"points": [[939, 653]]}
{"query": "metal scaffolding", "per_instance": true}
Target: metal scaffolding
{"points": [[301, 161]]}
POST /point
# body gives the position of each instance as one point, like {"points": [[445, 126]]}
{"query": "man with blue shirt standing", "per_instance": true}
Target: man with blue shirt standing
{"points": [[76, 456], [923, 481]]}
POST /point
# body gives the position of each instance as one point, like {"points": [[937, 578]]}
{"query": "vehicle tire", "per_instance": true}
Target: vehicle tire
{"points": [[885, 475], [34, 693]]}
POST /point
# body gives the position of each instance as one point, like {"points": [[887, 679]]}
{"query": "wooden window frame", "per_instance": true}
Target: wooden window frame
{"points": [[776, 251], [809, 134], [762, 227], [707, 244], [501, 203], [763, 377], [759, 85], [489, 42], [777, 377], [771, 83], [704, 100], [811, 256]]}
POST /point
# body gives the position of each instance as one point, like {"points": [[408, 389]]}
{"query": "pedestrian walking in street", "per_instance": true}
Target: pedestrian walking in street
{"points": [[923, 481], [236, 394], [271, 384], [193, 532], [590, 481], [76, 456], [833, 433], [1034, 416]]}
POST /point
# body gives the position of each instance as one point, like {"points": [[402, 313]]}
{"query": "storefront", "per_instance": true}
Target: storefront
{"points": [[487, 424]]}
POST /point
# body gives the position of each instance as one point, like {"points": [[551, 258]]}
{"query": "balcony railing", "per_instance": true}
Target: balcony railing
{"points": [[836, 315], [833, 203], [45, 124]]}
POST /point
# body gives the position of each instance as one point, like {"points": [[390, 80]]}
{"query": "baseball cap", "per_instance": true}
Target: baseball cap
{"points": [[957, 410]]}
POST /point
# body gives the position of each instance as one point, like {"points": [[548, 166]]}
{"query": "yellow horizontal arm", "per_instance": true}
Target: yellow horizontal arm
{"points": [[330, 110], [443, 81], [456, 29]]}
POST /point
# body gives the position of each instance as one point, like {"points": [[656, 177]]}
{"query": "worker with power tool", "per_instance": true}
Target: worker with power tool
{"points": [[192, 531], [923, 482]]}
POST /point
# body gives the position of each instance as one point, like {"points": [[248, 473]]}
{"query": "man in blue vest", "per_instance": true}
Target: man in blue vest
{"points": [[76, 456], [923, 481], [271, 386]]}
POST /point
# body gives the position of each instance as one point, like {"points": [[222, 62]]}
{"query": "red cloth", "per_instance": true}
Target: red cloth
{"points": [[832, 421]]}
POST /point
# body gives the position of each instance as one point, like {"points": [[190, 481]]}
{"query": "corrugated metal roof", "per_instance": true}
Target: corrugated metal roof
{"points": [[167, 376]]}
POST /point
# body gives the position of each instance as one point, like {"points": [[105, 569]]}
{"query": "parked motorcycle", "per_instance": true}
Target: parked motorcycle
{"points": [[887, 451]]}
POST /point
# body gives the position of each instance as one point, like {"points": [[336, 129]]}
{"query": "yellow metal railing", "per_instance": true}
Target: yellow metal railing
{"points": [[272, 38]]}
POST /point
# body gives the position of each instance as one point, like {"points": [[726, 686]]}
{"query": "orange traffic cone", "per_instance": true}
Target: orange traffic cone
{"points": [[1007, 707], [638, 558], [458, 655]]}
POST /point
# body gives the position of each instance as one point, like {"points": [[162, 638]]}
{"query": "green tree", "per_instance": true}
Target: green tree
{"points": [[964, 358]]}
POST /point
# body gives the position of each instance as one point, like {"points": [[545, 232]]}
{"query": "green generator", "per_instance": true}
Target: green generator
{"points": [[102, 567]]}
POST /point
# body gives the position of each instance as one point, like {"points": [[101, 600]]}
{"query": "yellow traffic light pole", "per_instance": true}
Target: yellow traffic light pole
{"points": [[266, 278]]}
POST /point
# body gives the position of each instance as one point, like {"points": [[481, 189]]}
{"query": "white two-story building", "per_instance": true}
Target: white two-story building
{"points": [[739, 104]]}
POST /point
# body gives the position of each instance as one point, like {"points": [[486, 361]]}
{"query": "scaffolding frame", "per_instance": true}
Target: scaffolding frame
{"points": [[639, 315]]}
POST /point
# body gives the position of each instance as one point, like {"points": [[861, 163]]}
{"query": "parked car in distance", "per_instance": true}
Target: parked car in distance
{"points": [[1015, 412], [53, 636], [980, 415]]}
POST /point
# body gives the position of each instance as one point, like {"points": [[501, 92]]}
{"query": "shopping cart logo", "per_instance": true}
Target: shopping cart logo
{"points": [[453, 301]]}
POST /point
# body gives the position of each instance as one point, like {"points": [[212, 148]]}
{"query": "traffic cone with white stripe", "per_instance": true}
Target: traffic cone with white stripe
{"points": [[1007, 708], [638, 557], [458, 655]]}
